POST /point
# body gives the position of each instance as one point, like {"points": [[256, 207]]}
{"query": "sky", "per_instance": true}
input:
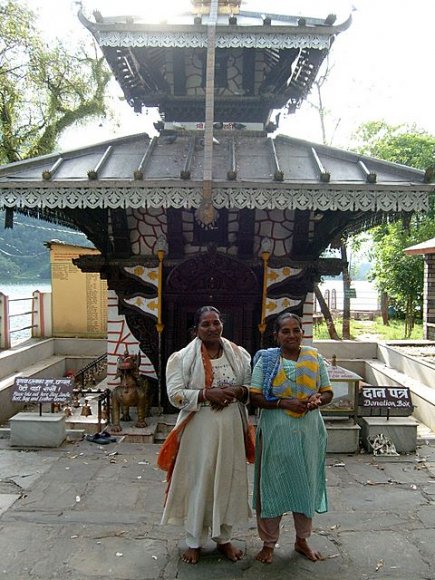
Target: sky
{"points": [[382, 66]]}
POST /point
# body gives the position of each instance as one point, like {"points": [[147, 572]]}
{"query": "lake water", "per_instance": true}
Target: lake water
{"points": [[18, 292], [367, 296], [367, 299]]}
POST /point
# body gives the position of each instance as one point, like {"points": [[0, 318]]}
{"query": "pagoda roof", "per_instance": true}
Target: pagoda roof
{"points": [[276, 58], [250, 170], [338, 192], [248, 28]]}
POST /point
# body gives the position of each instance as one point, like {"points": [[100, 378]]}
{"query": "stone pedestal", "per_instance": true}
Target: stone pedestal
{"points": [[402, 431], [33, 430], [138, 434], [343, 436]]}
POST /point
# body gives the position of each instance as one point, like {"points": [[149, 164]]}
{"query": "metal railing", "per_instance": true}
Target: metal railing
{"points": [[32, 312], [39, 313], [92, 373], [104, 402], [84, 381]]}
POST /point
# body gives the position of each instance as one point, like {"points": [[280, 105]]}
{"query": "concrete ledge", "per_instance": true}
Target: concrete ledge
{"points": [[423, 397], [53, 366], [34, 430], [347, 349], [138, 435], [80, 347], [343, 436], [24, 355], [406, 364], [75, 434], [5, 432], [402, 431]]}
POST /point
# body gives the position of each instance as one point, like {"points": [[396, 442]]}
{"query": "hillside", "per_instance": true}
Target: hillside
{"points": [[23, 255]]}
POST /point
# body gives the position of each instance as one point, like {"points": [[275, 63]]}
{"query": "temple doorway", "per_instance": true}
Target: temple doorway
{"points": [[217, 280]]}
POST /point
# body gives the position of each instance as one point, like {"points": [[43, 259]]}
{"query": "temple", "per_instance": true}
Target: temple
{"points": [[217, 207]]}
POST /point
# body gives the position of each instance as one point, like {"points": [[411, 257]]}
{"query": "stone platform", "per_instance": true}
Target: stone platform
{"points": [[343, 435], [35, 430], [402, 431]]}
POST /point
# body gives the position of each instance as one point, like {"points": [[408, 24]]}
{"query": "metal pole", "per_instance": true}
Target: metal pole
{"points": [[159, 363], [5, 336], [160, 326], [262, 326]]}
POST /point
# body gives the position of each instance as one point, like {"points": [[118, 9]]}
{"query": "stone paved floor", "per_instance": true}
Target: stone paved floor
{"points": [[85, 511]]}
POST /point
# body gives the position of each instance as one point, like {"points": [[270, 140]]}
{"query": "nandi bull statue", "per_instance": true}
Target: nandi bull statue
{"points": [[133, 391]]}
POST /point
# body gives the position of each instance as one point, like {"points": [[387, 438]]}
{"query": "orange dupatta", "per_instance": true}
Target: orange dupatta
{"points": [[169, 450]]}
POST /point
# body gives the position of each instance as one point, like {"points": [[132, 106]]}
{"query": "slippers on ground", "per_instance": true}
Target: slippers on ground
{"points": [[97, 439], [107, 436]]}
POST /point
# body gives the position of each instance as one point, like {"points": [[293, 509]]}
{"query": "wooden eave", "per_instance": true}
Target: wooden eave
{"points": [[227, 29], [302, 165], [427, 247], [114, 24]]}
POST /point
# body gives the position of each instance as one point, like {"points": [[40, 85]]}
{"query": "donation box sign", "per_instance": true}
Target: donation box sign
{"points": [[386, 397]]}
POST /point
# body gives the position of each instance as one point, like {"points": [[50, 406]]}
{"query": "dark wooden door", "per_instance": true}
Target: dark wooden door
{"points": [[217, 280]]}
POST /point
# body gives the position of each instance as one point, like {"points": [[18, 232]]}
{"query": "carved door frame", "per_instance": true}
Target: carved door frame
{"points": [[212, 279]]}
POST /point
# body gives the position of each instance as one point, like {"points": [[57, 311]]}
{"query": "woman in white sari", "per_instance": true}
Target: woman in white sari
{"points": [[208, 487]]}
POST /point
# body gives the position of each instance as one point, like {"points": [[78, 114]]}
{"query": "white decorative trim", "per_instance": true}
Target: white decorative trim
{"points": [[392, 200], [199, 40]]}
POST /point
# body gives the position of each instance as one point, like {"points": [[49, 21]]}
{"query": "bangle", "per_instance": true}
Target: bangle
{"points": [[204, 395], [278, 402]]}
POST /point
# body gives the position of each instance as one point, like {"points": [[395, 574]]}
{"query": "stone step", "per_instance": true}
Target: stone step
{"points": [[423, 396]]}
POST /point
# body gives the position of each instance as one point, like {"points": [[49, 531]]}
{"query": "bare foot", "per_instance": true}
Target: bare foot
{"points": [[191, 555], [303, 548], [230, 552], [265, 555]]}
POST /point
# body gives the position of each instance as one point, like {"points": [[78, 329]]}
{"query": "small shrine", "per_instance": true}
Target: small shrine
{"points": [[217, 207]]}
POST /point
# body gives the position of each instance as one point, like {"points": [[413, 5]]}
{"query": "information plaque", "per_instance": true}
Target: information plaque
{"points": [[29, 390]]}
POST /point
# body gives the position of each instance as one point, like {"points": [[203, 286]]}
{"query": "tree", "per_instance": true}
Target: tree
{"points": [[8, 269], [23, 255], [397, 275], [323, 112], [43, 89], [405, 144], [315, 100]]}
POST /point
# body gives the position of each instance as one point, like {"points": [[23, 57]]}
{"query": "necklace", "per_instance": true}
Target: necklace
{"points": [[218, 354], [292, 356]]}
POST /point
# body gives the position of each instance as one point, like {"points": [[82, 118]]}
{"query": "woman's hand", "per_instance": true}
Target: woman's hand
{"points": [[238, 392], [294, 404], [314, 402], [219, 398]]}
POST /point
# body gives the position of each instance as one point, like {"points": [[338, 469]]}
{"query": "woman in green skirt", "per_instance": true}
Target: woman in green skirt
{"points": [[289, 384]]}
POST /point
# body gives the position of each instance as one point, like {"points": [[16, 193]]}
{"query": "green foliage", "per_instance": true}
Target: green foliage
{"points": [[23, 255], [397, 274], [373, 330], [8, 269], [403, 144], [43, 89]]}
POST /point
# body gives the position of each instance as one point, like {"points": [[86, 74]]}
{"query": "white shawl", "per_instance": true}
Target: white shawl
{"points": [[185, 376]]}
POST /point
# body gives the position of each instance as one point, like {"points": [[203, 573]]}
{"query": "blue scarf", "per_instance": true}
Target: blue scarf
{"points": [[271, 361]]}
